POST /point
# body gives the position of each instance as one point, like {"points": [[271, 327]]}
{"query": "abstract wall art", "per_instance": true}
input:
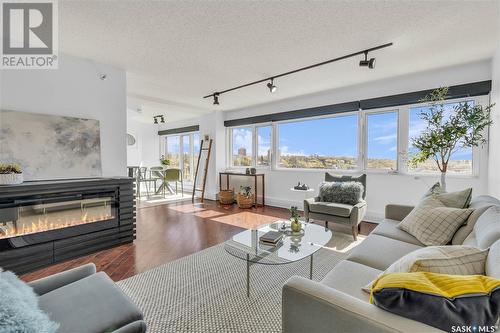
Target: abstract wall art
{"points": [[50, 147]]}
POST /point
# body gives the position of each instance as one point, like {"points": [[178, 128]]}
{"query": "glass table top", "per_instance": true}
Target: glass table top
{"points": [[292, 247]]}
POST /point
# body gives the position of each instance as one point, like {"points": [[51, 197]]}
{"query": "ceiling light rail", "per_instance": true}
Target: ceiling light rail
{"points": [[370, 63]]}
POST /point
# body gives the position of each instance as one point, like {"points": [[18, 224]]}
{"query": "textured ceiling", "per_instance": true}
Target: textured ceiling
{"points": [[177, 52]]}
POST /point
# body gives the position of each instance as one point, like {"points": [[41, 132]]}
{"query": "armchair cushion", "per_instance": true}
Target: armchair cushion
{"points": [[93, 304], [49, 283], [331, 208]]}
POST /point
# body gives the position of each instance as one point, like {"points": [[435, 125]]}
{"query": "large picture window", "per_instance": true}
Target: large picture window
{"points": [[460, 161], [326, 143], [374, 140], [382, 140]]}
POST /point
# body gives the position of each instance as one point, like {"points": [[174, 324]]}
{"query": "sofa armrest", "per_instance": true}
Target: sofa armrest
{"points": [[49, 283], [397, 212], [310, 306], [138, 326]]}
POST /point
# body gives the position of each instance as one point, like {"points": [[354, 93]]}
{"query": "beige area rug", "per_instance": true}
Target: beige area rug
{"points": [[206, 291]]}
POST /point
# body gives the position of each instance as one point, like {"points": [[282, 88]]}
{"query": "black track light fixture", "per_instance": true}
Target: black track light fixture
{"points": [[155, 120], [370, 63], [161, 117], [271, 86]]}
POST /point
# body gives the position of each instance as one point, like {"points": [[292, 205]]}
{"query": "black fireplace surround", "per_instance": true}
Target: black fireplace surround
{"points": [[45, 222]]}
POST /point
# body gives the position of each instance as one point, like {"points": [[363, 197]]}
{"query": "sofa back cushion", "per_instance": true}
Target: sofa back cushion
{"points": [[492, 266], [341, 192], [361, 179], [480, 204], [486, 230]]}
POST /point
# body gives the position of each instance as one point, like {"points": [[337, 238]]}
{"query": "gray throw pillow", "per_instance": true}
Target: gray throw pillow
{"points": [[360, 179], [349, 193], [19, 311]]}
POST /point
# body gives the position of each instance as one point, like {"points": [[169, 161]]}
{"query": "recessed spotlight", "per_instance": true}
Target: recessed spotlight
{"points": [[216, 99], [370, 63], [271, 86]]}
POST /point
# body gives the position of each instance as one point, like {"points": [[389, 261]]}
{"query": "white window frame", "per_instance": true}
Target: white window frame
{"points": [[163, 151], [276, 143], [364, 116], [479, 154]]}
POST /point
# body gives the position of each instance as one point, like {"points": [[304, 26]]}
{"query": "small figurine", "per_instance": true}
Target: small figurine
{"points": [[302, 187]]}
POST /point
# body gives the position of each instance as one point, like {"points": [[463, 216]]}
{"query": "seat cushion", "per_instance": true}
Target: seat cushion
{"points": [[331, 208], [349, 277], [388, 228], [380, 252], [94, 304]]}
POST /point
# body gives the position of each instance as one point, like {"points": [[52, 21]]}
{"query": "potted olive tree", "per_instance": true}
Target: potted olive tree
{"points": [[10, 173], [444, 135]]}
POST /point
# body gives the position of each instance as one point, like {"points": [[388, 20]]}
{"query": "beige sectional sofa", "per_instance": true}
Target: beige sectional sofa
{"points": [[338, 304]]}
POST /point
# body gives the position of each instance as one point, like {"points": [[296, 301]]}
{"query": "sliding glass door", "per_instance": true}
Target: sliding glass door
{"points": [[182, 151]]}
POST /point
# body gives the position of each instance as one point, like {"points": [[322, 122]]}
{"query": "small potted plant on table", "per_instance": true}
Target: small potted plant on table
{"points": [[10, 174], [164, 161], [295, 225], [245, 198]]}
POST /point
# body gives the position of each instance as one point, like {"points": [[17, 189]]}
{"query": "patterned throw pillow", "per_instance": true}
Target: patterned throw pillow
{"points": [[432, 223], [449, 259], [458, 199], [341, 192]]}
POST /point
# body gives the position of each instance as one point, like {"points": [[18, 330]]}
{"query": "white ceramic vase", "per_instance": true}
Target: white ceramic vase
{"points": [[11, 178]]}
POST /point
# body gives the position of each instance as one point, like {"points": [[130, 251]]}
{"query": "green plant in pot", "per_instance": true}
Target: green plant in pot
{"points": [[444, 134], [10, 173], [295, 225], [164, 161]]}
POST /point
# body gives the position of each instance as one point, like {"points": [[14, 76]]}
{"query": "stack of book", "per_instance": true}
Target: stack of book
{"points": [[271, 238]]}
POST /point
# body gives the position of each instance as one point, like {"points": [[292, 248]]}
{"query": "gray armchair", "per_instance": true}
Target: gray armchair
{"points": [[81, 300], [350, 215]]}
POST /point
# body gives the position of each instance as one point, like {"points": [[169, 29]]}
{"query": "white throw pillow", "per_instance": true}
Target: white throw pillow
{"points": [[450, 259], [432, 223]]}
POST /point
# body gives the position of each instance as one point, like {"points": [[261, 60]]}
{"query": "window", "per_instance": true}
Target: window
{"points": [[264, 145], [382, 140], [172, 152], [242, 146], [326, 143], [460, 161], [182, 151]]}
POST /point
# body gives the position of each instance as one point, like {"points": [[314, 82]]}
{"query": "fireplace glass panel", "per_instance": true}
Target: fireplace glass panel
{"points": [[23, 219]]}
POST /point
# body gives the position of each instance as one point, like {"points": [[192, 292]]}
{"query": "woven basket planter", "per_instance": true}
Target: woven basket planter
{"points": [[244, 202], [226, 197]]}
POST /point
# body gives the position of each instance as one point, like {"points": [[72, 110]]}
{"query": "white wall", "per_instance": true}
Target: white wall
{"points": [[381, 188], [145, 152], [75, 90], [494, 148]]}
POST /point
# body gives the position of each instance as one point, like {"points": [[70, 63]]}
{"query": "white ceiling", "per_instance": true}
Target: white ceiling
{"points": [[175, 52]]}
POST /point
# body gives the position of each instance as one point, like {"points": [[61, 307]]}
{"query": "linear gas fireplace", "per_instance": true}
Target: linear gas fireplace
{"points": [[44, 222], [27, 216]]}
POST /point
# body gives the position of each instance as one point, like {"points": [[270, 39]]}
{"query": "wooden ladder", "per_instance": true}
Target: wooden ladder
{"points": [[205, 170]]}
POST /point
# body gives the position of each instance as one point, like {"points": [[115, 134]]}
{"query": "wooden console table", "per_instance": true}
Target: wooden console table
{"points": [[255, 176]]}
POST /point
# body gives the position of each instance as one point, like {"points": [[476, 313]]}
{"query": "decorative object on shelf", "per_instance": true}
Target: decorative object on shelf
{"points": [[131, 141], [444, 135], [164, 161], [245, 198], [295, 225], [10, 174], [226, 197], [253, 171], [247, 171], [301, 187]]}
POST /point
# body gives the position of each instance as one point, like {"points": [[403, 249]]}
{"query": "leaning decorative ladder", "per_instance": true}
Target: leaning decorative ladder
{"points": [[205, 170]]}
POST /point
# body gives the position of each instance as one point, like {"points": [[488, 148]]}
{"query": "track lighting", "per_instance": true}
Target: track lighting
{"points": [[271, 86], [367, 63], [370, 63], [162, 119]]}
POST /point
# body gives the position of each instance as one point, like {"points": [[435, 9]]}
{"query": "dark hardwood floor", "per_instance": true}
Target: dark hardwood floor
{"points": [[166, 232]]}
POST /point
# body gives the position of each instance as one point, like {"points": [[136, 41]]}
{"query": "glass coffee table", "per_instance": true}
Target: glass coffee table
{"points": [[291, 248]]}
